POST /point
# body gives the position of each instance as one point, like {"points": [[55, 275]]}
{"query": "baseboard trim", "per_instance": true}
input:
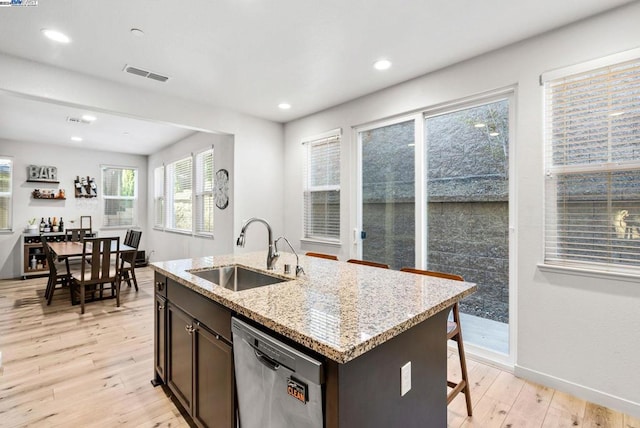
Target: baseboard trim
{"points": [[598, 397]]}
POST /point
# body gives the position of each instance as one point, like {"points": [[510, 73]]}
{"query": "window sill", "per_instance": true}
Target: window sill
{"points": [[335, 244], [591, 273], [185, 232]]}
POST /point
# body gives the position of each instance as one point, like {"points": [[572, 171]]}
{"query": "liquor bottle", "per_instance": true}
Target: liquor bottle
{"points": [[61, 225], [47, 226], [42, 225], [54, 225]]}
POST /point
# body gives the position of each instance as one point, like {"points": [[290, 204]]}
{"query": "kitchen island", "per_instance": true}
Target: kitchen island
{"points": [[364, 323]]}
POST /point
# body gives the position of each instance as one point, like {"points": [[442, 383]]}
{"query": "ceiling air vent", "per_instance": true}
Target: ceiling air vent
{"points": [[145, 73], [77, 120]]}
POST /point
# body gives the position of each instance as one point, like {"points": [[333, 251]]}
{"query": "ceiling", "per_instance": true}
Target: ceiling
{"points": [[251, 55]]}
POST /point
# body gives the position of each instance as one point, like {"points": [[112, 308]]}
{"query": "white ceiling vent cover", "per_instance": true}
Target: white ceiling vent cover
{"points": [[77, 120], [145, 73]]}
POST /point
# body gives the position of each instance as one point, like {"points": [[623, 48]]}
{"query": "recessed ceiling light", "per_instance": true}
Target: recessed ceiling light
{"points": [[494, 134], [56, 36], [480, 125], [284, 106], [382, 64], [78, 139], [617, 113], [137, 32], [88, 117]]}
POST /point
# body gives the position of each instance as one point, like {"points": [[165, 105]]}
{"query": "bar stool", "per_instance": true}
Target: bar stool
{"points": [[368, 263], [454, 332], [322, 256]]}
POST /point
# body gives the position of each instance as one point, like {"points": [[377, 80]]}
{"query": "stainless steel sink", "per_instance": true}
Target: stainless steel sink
{"points": [[237, 278]]}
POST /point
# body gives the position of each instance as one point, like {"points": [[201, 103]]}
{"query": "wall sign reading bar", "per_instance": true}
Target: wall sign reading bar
{"points": [[42, 173]]}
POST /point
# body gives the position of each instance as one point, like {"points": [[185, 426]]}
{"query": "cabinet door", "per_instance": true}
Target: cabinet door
{"points": [[160, 342], [214, 386], [180, 331]]}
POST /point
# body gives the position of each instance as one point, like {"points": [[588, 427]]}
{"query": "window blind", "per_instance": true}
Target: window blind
{"points": [[178, 190], [592, 158], [204, 192], [6, 170], [119, 192], [158, 197], [322, 189]]}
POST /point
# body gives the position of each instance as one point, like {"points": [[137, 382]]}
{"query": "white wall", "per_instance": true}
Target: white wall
{"points": [[258, 143], [171, 245], [576, 333], [70, 163]]}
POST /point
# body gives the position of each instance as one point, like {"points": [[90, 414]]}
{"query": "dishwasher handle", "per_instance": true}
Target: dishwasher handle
{"points": [[269, 362]]}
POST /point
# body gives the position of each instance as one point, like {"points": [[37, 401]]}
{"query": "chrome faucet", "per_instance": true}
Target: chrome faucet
{"points": [[299, 270], [272, 254]]}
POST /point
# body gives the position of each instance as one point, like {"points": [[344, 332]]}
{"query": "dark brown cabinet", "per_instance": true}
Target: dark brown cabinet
{"points": [[214, 384], [193, 353], [180, 331], [160, 331], [160, 342]]}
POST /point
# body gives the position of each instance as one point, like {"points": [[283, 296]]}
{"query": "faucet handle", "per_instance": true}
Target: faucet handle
{"points": [[299, 271]]}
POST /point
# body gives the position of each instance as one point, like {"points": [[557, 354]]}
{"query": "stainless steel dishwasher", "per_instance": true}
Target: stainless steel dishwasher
{"points": [[277, 385]]}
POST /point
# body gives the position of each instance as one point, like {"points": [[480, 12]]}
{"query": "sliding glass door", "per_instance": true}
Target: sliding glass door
{"points": [[435, 195], [467, 201], [388, 194]]}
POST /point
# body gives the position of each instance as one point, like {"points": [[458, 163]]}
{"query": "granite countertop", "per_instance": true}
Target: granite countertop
{"points": [[340, 310]]}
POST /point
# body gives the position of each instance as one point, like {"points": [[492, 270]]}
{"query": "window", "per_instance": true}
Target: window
{"points": [[204, 192], [178, 187], [592, 136], [184, 194], [6, 166], [158, 197], [119, 191], [322, 188]]}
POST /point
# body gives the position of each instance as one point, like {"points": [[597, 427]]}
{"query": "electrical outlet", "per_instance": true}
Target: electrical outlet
{"points": [[405, 378]]}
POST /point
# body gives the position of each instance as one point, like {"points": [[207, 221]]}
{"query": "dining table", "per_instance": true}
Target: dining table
{"points": [[67, 249], [74, 248]]}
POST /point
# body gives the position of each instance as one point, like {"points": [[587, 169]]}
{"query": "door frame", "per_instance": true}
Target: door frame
{"points": [[355, 250], [509, 93]]}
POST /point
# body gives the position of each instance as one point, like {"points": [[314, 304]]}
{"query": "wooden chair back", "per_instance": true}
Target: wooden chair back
{"points": [[132, 238], [48, 255], [368, 263], [85, 222], [100, 260], [433, 273], [76, 235], [322, 256]]}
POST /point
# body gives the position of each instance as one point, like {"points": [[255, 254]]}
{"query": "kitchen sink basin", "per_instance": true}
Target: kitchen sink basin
{"points": [[237, 278]]}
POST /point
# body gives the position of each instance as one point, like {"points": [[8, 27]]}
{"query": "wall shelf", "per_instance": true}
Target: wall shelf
{"points": [[49, 199], [42, 181]]}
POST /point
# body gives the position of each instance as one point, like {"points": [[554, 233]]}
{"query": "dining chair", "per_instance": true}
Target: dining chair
{"points": [[322, 256], [128, 259], [55, 278], [76, 235], [454, 332], [104, 269], [368, 263]]}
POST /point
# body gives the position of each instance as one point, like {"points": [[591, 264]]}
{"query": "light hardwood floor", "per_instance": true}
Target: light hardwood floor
{"points": [[60, 368]]}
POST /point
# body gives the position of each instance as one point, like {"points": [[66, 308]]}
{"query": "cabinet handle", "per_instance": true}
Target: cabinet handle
{"points": [[160, 285], [161, 307], [189, 329]]}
